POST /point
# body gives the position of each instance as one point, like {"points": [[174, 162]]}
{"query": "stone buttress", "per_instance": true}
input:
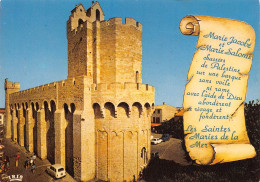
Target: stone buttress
{"points": [[96, 122]]}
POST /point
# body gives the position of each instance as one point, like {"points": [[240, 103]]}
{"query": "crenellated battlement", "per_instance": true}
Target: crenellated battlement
{"points": [[102, 101], [111, 22], [72, 82], [11, 85], [118, 21], [130, 87], [84, 26], [79, 15]]}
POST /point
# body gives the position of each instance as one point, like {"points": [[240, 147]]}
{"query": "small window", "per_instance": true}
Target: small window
{"points": [[97, 15], [136, 76], [153, 119], [158, 111], [0, 116], [80, 22], [157, 120], [61, 169]]}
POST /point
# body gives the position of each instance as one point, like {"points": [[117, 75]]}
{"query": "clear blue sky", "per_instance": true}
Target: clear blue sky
{"points": [[33, 43]]}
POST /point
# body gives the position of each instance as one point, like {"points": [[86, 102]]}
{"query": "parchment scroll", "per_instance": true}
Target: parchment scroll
{"points": [[214, 96]]}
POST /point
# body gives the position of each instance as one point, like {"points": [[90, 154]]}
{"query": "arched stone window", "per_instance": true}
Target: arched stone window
{"points": [[147, 108], [137, 77], [80, 23], [97, 15], [144, 155], [137, 109], [37, 106], [123, 110], [109, 109], [53, 106], [73, 107], [66, 108], [97, 111]]}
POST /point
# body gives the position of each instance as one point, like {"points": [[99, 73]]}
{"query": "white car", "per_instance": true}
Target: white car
{"points": [[56, 170], [155, 141]]}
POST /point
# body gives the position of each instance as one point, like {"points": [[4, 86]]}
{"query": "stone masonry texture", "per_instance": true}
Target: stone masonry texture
{"points": [[96, 122]]}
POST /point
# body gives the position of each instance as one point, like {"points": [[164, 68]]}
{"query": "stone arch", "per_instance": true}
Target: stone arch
{"points": [[18, 113], [66, 108], [68, 114], [42, 104], [97, 111], [109, 109], [80, 22], [34, 118], [37, 106], [17, 108], [24, 109], [147, 105], [53, 106], [123, 110], [97, 15], [46, 105], [72, 107], [12, 123], [144, 152], [50, 131], [136, 109], [88, 12], [32, 106], [144, 155], [22, 134], [147, 109]]}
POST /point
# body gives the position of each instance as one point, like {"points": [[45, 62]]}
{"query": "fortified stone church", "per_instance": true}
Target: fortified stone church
{"points": [[97, 121]]}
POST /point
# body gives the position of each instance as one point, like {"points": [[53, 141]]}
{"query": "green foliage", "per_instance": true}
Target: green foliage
{"points": [[244, 170], [252, 115], [173, 127]]}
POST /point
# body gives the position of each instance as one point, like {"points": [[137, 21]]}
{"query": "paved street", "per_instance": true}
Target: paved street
{"points": [[170, 150], [40, 175]]}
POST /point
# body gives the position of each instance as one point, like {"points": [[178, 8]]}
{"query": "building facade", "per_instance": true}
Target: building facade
{"points": [[2, 116], [163, 113], [97, 121]]}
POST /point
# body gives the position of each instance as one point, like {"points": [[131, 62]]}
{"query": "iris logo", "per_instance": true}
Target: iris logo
{"points": [[16, 177]]}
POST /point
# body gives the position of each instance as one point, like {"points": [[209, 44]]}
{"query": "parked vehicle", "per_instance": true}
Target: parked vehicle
{"points": [[155, 141], [165, 137], [56, 170]]}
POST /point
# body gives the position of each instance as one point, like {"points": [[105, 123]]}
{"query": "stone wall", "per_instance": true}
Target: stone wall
{"points": [[96, 122]]}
